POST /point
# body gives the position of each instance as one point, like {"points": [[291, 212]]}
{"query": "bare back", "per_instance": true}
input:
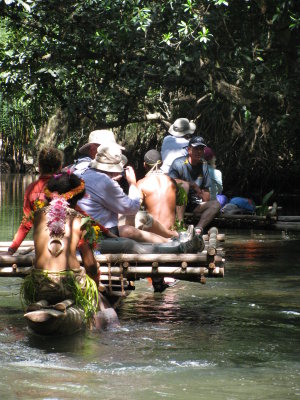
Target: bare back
{"points": [[67, 258], [159, 196]]}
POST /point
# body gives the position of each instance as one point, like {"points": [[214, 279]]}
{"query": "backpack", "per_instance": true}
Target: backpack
{"points": [[247, 205]]}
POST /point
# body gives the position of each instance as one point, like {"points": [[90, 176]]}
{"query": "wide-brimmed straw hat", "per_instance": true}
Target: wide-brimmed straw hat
{"points": [[108, 158], [100, 136], [182, 127]]}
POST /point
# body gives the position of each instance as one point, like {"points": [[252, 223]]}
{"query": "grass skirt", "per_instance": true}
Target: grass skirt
{"points": [[58, 286]]}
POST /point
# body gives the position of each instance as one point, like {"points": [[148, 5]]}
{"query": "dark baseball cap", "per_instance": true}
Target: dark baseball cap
{"points": [[196, 141]]}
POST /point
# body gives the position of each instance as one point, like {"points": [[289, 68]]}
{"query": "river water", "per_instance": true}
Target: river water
{"points": [[234, 338]]}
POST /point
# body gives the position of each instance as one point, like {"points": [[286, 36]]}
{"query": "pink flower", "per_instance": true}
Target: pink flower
{"points": [[56, 216]]}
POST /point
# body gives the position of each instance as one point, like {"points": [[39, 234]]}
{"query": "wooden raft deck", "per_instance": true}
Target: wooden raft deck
{"points": [[130, 267], [283, 223]]}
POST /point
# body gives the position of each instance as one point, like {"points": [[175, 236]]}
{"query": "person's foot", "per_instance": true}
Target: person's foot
{"points": [[190, 232], [159, 285], [198, 231], [185, 236], [170, 281], [193, 246]]}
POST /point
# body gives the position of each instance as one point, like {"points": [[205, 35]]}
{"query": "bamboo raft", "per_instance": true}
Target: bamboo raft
{"points": [[118, 272], [115, 268], [271, 222]]}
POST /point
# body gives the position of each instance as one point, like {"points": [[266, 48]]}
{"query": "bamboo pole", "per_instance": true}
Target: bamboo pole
{"points": [[132, 272], [187, 273], [252, 217], [287, 226], [28, 259], [24, 260], [288, 218], [25, 243], [149, 258]]}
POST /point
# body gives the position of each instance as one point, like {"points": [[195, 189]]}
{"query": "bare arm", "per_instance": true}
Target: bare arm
{"points": [[201, 193], [88, 259]]}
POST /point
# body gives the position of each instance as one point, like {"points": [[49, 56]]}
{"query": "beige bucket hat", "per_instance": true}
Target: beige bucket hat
{"points": [[108, 158], [100, 136]]}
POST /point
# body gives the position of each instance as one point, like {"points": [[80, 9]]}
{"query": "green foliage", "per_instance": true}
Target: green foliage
{"points": [[295, 21], [181, 196], [263, 208], [230, 66], [179, 226]]}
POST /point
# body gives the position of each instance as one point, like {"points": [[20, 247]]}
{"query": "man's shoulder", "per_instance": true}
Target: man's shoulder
{"points": [[148, 179], [154, 181], [94, 178], [168, 138], [179, 161]]}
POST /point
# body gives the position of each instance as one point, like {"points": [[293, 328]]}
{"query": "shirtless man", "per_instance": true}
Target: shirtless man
{"points": [[159, 198], [58, 232], [159, 192]]}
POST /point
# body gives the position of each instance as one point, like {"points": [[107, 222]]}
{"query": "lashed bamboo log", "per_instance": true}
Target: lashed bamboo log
{"points": [[287, 226], [288, 218], [177, 272], [134, 266], [28, 259], [132, 272], [25, 243]]}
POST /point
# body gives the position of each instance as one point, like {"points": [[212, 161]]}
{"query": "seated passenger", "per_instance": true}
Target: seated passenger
{"points": [[214, 174], [105, 200], [158, 191], [193, 175], [159, 199], [89, 150], [49, 161], [174, 145]]}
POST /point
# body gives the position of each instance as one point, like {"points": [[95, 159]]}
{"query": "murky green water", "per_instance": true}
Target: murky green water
{"points": [[234, 338]]}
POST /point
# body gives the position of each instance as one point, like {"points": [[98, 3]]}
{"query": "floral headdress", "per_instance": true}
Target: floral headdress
{"points": [[67, 196]]}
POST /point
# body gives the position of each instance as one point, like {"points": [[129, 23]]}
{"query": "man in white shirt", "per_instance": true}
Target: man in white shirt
{"points": [[215, 174], [175, 144]]}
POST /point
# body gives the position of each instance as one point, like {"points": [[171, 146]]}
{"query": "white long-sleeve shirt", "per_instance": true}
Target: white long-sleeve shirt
{"points": [[105, 199], [172, 148], [216, 182]]}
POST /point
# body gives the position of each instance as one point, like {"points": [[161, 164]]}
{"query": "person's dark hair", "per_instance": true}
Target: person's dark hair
{"points": [[64, 183], [50, 160]]}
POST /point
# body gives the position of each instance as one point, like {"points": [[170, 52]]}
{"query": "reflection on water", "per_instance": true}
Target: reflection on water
{"points": [[12, 189], [233, 338]]}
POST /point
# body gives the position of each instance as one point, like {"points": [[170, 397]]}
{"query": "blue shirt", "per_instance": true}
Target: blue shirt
{"points": [[105, 199], [182, 169]]}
